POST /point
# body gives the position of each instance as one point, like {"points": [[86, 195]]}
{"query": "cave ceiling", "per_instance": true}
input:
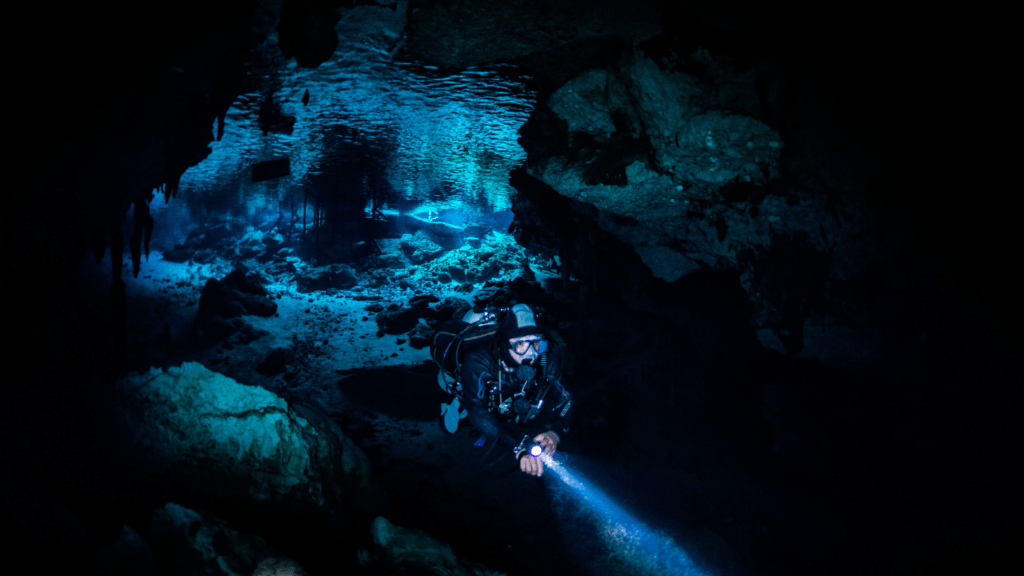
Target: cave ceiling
{"points": [[706, 136]]}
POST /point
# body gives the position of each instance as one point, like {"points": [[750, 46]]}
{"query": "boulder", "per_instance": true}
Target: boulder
{"points": [[250, 246], [216, 328], [246, 333], [419, 247], [421, 336], [204, 256], [390, 260], [219, 299], [129, 556], [398, 321], [376, 278], [273, 242], [275, 363], [401, 550], [278, 567], [180, 253], [188, 542], [239, 280], [226, 446], [423, 300], [279, 268], [336, 276], [451, 308]]}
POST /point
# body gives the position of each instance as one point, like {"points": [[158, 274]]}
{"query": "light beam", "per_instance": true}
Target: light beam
{"points": [[631, 539]]}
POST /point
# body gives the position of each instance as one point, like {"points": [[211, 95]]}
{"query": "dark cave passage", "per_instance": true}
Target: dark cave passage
{"points": [[789, 339]]}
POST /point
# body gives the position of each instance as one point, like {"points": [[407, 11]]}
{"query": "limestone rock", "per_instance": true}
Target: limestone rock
{"points": [[587, 102], [239, 280], [336, 276], [423, 300], [421, 336], [278, 567], [420, 248], [188, 542], [275, 363], [451, 308], [204, 256], [179, 253], [399, 321], [219, 299], [388, 260], [225, 445], [129, 556], [273, 241], [497, 253], [406, 550]]}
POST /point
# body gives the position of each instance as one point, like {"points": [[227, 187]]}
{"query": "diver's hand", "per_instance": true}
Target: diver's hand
{"points": [[533, 465], [530, 464], [548, 441]]}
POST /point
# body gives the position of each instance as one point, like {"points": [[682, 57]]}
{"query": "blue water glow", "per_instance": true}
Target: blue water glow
{"points": [[646, 550], [443, 138]]}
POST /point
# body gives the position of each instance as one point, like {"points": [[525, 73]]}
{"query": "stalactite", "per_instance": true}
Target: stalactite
{"points": [[147, 228], [118, 297], [142, 230], [220, 125], [171, 186]]}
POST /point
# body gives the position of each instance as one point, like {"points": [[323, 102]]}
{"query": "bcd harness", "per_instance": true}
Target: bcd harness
{"points": [[509, 395]]}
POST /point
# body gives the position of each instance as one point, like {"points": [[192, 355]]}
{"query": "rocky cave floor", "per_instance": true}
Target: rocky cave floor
{"points": [[382, 389], [726, 484]]}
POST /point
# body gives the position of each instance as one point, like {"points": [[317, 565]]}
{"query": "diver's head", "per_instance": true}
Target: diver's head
{"points": [[520, 337]]}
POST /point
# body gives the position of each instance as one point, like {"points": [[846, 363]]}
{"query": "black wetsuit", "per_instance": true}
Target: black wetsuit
{"points": [[480, 369]]}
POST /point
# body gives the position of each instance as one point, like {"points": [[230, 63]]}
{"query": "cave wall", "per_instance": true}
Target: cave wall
{"points": [[822, 240]]}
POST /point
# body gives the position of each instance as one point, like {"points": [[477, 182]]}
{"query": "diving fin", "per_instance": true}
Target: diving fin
{"points": [[452, 415]]}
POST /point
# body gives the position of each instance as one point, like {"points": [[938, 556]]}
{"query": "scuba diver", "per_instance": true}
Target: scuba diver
{"points": [[508, 375]]}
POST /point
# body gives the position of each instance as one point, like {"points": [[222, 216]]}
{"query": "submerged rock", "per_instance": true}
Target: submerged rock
{"points": [[336, 276], [398, 321], [225, 445], [278, 567], [421, 336], [275, 363], [179, 253], [191, 542], [451, 308], [420, 248], [246, 283], [129, 556], [497, 253], [219, 299], [406, 550], [204, 256]]}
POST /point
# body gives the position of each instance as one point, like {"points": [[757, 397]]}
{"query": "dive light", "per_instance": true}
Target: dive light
{"points": [[533, 449]]}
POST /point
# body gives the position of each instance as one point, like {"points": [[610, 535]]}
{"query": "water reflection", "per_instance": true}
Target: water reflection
{"points": [[441, 138]]}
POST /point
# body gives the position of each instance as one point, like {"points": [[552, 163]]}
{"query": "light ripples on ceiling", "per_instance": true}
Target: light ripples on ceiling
{"points": [[444, 139]]}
